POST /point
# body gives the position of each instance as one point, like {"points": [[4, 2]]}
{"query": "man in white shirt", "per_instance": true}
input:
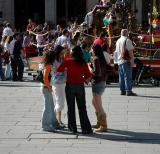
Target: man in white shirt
{"points": [[64, 39], [125, 70]]}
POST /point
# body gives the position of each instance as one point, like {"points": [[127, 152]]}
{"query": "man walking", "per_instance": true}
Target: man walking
{"points": [[124, 50]]}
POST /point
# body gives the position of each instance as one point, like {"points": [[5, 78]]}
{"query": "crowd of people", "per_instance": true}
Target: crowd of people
{"points": [[68, 63], [67, 73]]}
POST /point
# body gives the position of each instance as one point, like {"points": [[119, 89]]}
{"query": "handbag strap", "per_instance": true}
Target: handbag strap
{"points": [[125, 44]]}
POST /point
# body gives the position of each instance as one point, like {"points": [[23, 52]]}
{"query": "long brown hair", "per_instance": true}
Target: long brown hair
{"points": [[48, 57], [77, 55]]}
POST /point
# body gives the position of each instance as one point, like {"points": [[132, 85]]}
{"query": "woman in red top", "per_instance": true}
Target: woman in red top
{"points": [[77, 73]]}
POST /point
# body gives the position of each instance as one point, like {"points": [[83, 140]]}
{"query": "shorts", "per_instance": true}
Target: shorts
{"points": [[98, 88]]}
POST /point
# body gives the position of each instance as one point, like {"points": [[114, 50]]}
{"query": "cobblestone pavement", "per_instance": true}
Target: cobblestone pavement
{"points": [[134, 123]]}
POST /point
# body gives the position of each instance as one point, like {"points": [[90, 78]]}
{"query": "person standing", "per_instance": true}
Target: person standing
{"points": [[58, 32], [58, 83], [16, 59], [7, 30], [8, 46], [100, 40], [125, 60], [49, 122], [99, 77], [64, 39], [86, 53], [27, 45], [1, 69], [40, 42], [77, 73]]}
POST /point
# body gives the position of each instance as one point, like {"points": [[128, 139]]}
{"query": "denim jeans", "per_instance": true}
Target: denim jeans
{"points": [[77, 92], [125, 77], [1, 69], [8, 71], [48, 116]]}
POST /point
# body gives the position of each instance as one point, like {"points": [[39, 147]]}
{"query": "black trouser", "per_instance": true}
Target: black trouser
{"points": [[17, 68], [77, 92]]}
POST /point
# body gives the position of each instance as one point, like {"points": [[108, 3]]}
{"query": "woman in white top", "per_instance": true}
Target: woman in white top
{"points": [[8, 47], [58, 83], [40, 42]]}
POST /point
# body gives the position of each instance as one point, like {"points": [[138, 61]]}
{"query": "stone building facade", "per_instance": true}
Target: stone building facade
{"points": [[8, 9], [9, 12]]}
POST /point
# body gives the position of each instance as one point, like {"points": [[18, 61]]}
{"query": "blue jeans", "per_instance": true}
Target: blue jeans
{"points": [[125, 77], [1, 69], [48, 116]]}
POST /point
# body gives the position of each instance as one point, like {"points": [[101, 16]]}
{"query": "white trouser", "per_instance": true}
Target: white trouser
{"points": [[59, 96]]}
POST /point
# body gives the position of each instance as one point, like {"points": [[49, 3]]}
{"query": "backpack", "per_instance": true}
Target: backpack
{"points": [[39, 76]]}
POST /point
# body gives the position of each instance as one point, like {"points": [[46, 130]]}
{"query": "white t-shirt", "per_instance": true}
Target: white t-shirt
{"points": [[10, 47], [40, 40], [7, 32], [63, 40], [120, 48], [107, 57]]}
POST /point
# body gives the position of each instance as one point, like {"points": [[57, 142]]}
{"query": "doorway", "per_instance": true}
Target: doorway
{"points": [[28, 9], [70, 10]]}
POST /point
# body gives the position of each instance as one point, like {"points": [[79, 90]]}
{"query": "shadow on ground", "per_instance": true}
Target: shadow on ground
{"points": [[128, 136]]}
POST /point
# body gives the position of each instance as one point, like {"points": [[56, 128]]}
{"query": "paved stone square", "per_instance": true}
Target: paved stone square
{"points": [[134, 123]]}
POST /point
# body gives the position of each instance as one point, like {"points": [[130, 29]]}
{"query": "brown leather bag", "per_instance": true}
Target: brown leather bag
{"points": [[126, 55], [5, 56]]}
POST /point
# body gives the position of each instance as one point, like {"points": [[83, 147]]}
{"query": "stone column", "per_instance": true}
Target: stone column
{"points": [[7, 9], [139, 13], [51, 11], [2, 9]]}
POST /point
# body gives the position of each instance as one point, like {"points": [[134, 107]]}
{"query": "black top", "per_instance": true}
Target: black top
{"points": [[99, 71], [17, 48]]}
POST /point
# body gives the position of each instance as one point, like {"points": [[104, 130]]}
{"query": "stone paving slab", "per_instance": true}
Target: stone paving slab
{"points": [[51, 136], [133, 123]]}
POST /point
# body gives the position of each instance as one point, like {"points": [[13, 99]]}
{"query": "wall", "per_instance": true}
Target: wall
{"points": [[50, 11], [7, 9]]}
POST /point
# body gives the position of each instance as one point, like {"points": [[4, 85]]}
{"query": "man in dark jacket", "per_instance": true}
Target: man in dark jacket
{"points": [[16, 60]]}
